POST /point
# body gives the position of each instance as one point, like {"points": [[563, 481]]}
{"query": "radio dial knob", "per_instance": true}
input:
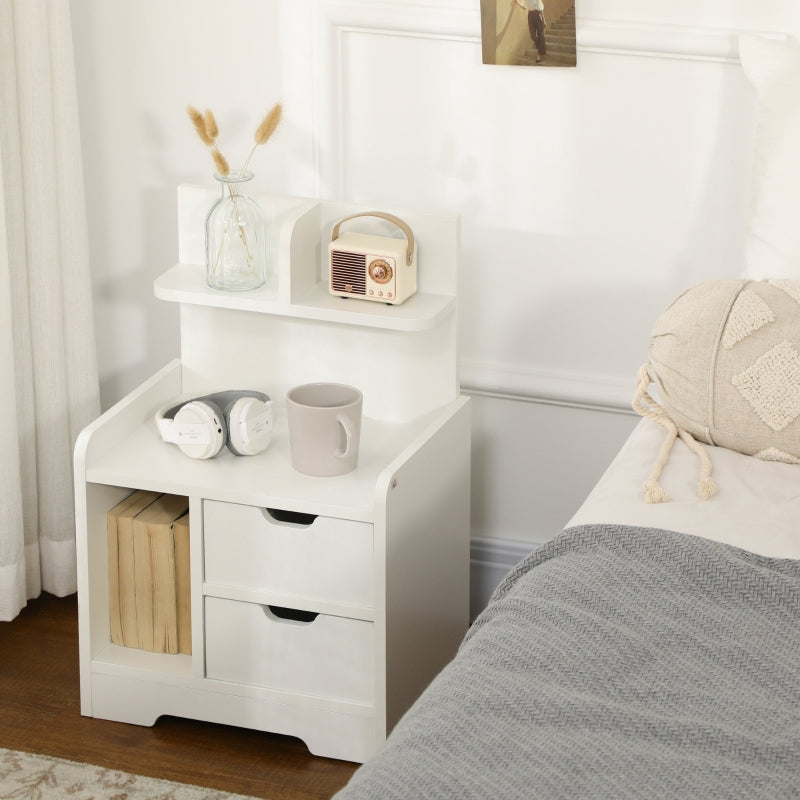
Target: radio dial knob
{"points": [[380, 271]]}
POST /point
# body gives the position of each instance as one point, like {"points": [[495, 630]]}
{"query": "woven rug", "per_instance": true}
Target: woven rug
{"points": [[25, 776]]}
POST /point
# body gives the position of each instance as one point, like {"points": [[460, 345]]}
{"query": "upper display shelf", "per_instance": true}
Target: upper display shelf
{"points": [[299, 231]]}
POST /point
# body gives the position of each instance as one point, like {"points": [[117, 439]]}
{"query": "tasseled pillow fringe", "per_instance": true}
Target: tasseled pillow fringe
{"points": [[644, 404]]}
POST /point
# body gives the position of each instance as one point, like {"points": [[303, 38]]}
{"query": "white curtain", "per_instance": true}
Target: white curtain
{"points": [[49, 390]]}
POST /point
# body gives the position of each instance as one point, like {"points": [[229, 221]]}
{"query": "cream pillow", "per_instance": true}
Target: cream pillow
{"points": [[725, 359], [773, 232]]}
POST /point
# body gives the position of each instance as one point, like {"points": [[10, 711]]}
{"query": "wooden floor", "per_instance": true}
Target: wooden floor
{"points": [[40, 713]]}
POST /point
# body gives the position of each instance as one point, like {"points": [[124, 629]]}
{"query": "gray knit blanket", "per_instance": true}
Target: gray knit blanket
{"points": [[613, 662]]}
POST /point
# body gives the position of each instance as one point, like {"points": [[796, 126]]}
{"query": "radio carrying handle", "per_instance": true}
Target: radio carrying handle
{"points": [[390, 218]]}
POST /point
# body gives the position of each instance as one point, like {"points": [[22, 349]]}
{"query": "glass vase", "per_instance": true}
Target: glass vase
{"points": [[236, 234]]}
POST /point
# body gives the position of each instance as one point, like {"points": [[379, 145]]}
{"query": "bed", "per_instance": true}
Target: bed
{"points": [[646, 651], [652, 649]]}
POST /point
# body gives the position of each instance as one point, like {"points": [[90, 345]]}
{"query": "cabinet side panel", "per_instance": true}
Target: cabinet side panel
{"points": [[427, 562], [93, 502]]}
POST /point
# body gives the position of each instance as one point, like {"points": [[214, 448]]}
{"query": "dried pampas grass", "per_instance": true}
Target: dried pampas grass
{"points": [[221, 163], [210, 122], [205, 124], [265, 130], [200, 126], [269, 124]]}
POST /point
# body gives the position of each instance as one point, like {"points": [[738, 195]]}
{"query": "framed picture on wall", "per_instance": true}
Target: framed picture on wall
{"points": [[528, 33]]}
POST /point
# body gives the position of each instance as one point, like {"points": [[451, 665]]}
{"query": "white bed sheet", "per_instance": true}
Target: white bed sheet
{"points": [[757, 505]]}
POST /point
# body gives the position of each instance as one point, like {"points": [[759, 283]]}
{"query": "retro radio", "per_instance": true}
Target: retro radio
{"points": [[373, 267]]}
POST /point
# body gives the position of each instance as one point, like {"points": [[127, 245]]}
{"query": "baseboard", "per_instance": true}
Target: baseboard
{"points": [[490, 560]]}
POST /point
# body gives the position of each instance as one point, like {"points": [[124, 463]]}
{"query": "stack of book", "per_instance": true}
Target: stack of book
{"points": [[148, 573]]}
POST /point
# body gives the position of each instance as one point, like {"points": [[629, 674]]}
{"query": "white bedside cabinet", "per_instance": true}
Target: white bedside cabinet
{"points": [[320, 607]]}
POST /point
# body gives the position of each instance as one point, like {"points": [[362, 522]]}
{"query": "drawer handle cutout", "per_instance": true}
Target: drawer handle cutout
{"points": [[291, 517], [291, 614]]}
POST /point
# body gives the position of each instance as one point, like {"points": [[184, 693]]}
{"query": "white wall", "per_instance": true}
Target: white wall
{"points": [[589, 197]]}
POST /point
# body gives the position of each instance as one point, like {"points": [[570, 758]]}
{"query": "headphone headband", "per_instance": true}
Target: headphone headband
{"points": [[220, 399]]}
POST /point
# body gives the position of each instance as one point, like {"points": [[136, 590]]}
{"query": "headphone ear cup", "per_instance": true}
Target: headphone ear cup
{"points": [[249, 422], [207, 423]]}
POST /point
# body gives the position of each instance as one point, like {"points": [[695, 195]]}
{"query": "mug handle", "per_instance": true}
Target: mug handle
{"points": [[348, 434]]}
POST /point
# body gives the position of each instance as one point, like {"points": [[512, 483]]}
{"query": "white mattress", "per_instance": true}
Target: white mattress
{"points": [[757, 505]]}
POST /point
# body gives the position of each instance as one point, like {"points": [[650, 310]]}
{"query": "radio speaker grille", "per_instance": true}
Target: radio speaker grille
{"points": [[348, 272]]}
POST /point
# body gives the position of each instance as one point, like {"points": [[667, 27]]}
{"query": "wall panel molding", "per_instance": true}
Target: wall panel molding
{"points": [[618, 37], [581, 390], [461, 21], [339, 25]]}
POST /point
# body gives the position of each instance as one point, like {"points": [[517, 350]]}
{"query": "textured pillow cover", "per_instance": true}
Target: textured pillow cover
{"points": [[725, 359], [772, 245]]}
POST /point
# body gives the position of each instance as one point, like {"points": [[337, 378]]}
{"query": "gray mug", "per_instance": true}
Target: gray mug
{"points": [[324, 428]]}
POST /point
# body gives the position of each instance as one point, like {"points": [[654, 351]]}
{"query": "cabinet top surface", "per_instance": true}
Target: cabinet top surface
{"points": [[141, 460]]}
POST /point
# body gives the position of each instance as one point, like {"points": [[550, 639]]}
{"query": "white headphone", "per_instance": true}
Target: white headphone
{"points": [[242, 420]]}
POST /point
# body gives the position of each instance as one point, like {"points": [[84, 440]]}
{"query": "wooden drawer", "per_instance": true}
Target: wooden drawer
{"points": [[328, 559], [328, 657]]}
